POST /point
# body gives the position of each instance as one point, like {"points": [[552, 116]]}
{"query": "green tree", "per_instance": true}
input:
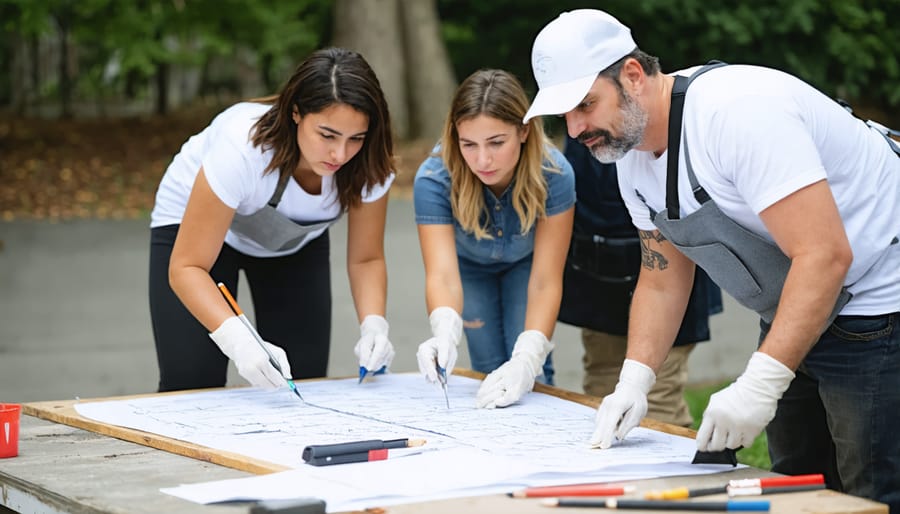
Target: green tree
{"points": [[109, 46], [846, 48]]}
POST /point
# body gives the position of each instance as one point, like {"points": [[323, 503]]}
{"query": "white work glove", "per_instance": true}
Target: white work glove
{"points": [[737, 414], [624, 408], [506, 384], [374, 349], [240, 345], [440, 350]]}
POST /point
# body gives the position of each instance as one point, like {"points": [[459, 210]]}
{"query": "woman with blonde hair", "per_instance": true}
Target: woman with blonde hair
{"points": [[494, 207]]}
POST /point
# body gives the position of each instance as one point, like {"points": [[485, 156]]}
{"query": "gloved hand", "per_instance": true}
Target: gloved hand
{"points": [[446, 329], [737, 414], [624, 408], [506, 384], [374, 349], [240, 345]]}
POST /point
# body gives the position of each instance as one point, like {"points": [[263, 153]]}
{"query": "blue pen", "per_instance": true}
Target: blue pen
{"points": [[615, 503], [364, 372]]}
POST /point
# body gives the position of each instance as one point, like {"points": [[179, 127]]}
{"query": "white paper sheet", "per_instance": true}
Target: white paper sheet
{"points": [[542, 440]]}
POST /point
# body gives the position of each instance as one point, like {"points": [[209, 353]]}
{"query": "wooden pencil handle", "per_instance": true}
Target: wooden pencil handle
{"points": [[230, 299]]}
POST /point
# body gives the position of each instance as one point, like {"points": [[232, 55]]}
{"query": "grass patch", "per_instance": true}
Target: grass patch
{"points": [[757, 455]]}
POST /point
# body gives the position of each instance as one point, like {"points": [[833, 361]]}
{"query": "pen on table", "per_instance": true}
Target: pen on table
{"points": [[680, 493], [356, 451], [240, 314], [779, 481], [755, 491], [321, 450], [442, 378], [573, 490], [614, 503]]}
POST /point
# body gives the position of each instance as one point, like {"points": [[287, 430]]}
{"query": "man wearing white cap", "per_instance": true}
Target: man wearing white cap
{"points": [[789, 203]]}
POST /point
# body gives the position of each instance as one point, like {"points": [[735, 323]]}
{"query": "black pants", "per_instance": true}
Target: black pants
{"points": [[291, 301]]}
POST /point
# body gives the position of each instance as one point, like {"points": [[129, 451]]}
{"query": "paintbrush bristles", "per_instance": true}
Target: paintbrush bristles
{"points": [[415, 442]]}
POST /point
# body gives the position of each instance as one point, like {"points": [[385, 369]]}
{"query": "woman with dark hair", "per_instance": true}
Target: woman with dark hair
{"points": [[257, 190], [494, 207]]}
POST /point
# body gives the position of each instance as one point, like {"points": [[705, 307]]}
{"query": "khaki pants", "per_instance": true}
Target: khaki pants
{"points": [[603, 357]]}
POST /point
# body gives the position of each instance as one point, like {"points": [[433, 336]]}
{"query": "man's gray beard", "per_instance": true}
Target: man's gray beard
{"points": [[634, 121]]}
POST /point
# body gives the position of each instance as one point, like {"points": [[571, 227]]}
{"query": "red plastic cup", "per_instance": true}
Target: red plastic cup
{"points": [[9, 429]]}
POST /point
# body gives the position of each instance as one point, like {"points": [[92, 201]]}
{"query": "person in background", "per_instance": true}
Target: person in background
{"points": [[494, 206], [601, 272], [257, 190], [789, 203]]}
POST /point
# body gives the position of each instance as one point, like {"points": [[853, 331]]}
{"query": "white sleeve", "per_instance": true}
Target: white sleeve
{"points": [[378, 190], [230, 168], [637, 209], [763, 147]]}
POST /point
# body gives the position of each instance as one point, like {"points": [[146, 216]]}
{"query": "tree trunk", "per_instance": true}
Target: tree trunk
{"points": [[63, 22], [430, 77], [19, 73], [162, 88], [372, 28]]}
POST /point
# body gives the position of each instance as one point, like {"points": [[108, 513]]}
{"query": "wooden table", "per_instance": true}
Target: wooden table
{"points": [[63, 468]]}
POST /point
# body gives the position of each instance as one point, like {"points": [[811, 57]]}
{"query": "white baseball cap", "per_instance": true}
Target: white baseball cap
{"points": [[569, 53]]}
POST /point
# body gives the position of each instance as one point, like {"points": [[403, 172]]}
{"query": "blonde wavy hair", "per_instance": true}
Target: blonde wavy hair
{"points": [[498, 94]]}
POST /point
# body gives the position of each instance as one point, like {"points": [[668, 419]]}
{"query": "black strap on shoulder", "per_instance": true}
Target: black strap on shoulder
{"points": [[676, 112], [279, 190]]}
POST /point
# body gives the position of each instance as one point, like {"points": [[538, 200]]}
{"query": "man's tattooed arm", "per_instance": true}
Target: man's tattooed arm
{"points": [[651, 259]]}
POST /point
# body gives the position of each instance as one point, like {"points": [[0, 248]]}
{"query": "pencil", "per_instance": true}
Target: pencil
{"points": [[753, 491], [240, 314], [613, 503], [573, 490], [778, 481], [681, 493]]}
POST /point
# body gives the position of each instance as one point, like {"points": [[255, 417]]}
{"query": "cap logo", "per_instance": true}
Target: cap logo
{"points": [[543, 65]]}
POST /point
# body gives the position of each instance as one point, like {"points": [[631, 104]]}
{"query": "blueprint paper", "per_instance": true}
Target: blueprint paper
{"points": [[540, 440]]}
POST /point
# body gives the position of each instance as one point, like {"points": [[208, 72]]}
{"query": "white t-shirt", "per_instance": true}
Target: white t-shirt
{"points": [[757, 135], [233, 167]]}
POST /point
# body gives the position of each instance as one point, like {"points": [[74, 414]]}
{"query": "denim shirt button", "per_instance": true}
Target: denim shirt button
{"points": [[499, 233], [498, 207]]}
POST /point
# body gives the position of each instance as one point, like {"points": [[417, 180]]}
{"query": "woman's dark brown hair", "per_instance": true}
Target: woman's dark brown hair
{"points": [[327, 77]]}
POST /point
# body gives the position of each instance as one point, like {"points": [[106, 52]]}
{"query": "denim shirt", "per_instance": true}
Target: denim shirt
{"points": [[431, 196]]}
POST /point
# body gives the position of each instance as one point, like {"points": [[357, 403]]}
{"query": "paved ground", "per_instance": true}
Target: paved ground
{"points": [[74, 320]]}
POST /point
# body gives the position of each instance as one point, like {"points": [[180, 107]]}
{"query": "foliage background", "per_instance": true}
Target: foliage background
{"points": [[846, 48], [56, 164]]}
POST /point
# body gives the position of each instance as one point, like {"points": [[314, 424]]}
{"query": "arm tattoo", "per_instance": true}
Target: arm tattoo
{"points": [[650, 258]]}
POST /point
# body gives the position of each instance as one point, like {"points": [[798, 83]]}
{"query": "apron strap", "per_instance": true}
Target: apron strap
{"points": [[886, 133], [676, 113], [699, 193], [279, 189]]}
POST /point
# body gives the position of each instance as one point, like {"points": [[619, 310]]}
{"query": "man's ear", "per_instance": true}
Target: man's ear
{"points": [[632, 76]]}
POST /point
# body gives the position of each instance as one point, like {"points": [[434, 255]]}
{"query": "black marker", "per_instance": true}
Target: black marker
{"points": [[357, 451]]}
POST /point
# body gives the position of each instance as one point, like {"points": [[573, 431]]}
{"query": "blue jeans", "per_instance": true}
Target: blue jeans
{"points": [[841, 413], [494, 300]]}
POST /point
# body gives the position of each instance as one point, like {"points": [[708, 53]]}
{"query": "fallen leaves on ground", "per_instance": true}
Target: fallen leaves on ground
{"points": [[109, 168]]}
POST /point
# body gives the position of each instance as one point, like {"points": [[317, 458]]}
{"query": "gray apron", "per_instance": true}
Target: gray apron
{"points": [[747, 266], [273, 230]]}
